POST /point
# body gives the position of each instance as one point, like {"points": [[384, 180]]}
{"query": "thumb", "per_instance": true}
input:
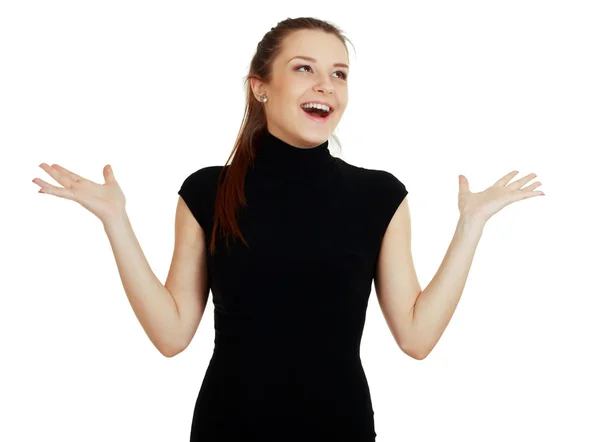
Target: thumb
{"points": [[463, 184], [109, 176]]}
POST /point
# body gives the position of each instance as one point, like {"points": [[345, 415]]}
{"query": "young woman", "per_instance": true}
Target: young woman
{"points": [[289, 240]]}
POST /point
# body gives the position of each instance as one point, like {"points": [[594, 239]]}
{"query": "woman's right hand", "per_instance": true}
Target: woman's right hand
{"points": [[106, 201]]}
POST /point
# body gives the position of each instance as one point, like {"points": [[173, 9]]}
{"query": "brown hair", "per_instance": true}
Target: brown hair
{"points": [[230, 188]]}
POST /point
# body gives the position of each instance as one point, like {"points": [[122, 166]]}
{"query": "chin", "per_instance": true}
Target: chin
{"points": [[315, 137]]}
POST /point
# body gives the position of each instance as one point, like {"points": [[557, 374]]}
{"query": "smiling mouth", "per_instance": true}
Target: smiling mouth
{"points": [[317, 114]]}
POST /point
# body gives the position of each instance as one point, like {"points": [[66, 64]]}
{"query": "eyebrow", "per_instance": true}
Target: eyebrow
{"points": [[343, 65]]}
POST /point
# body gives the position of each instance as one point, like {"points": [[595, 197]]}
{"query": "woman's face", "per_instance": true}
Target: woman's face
{"points": [[297, 81]]}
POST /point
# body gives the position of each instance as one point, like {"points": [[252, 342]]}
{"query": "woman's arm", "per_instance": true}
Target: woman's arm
{"points": [[152, 303], [169, 313], [436, 304], [417, 318]]}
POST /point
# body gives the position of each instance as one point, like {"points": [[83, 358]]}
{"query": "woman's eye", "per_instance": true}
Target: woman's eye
{"points": [[343, 77]]}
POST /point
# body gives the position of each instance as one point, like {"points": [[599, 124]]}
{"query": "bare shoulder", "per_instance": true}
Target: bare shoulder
{"points": [[396, 283], [188, 279]]}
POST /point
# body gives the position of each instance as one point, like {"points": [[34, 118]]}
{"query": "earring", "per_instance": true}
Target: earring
{"points": [[263, 98]]}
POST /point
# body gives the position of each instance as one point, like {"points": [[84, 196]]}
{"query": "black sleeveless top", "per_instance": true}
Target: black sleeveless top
{"points": [[289, 310]]}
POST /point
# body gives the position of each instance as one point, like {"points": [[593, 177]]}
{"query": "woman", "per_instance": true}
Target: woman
{"points": [[289, 239]]}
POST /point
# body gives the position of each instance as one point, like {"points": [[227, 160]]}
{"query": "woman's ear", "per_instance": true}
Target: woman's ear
{"points": [[258, 88]]}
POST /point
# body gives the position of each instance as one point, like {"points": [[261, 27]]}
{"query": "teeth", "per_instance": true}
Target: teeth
{"points": [[316, 106]]}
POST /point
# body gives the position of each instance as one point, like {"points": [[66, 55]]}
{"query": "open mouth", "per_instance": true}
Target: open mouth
{"points": [[318, 115]]}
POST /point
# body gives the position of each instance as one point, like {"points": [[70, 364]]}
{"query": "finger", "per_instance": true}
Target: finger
{"points": [[53, 190], [54, 173], [61, 177], [506, 178], [521, 196], [70, 174], [519, 183], [532, 186], [109, 175]]}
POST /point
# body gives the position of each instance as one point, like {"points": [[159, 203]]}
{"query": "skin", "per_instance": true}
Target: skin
{"points": [[416, 317], [298, 81], [171, 313]]}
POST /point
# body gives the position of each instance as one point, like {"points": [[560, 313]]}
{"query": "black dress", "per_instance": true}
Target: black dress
{"points": [[289, 310]]}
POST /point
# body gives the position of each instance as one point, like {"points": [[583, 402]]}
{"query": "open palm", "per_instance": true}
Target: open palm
{"points": [[103, 200], [483, 205]]}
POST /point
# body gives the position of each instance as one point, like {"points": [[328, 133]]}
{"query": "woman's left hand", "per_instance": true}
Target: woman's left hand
{"points": [[481, 206]]}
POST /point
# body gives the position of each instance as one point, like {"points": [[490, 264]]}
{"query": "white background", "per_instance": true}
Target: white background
{"points": [[437, 89]]}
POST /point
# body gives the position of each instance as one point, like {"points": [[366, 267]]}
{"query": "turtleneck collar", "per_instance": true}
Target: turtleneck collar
{"points": [[274, 154]]}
